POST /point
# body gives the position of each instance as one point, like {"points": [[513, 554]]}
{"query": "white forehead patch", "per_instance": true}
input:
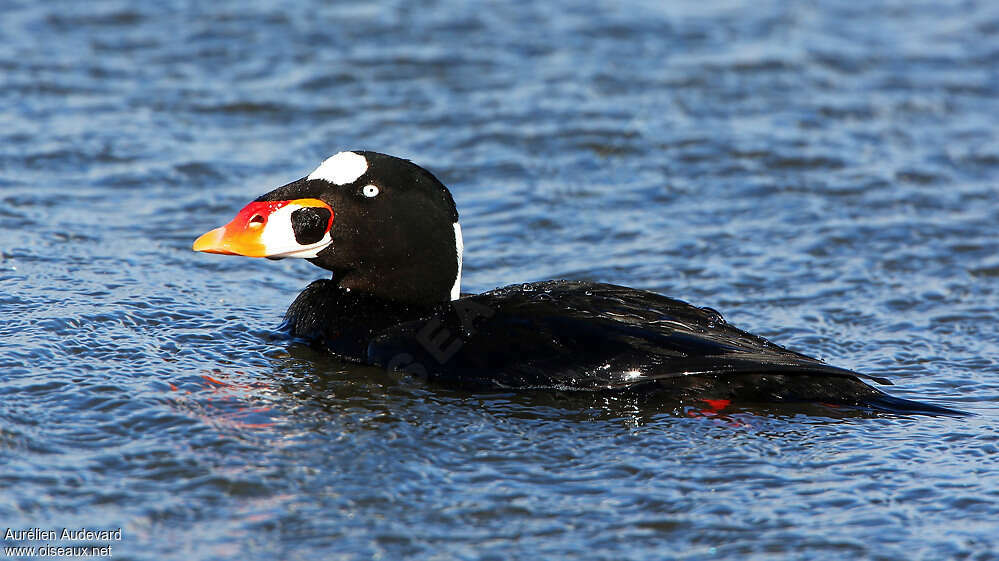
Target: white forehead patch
{"points": [[341, 169]]}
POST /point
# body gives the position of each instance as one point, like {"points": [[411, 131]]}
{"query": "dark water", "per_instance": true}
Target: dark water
{"points": [[824, 175]]}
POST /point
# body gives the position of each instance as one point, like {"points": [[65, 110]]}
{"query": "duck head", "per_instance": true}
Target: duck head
{"points": [[383, 225]]}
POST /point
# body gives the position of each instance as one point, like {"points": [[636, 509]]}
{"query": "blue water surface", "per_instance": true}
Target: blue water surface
{"points": [[826, 174]]}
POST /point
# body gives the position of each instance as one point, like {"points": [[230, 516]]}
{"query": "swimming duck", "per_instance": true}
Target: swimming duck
{"points": [[388, 231]]}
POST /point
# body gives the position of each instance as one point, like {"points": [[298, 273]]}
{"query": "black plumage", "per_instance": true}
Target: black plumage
{"points": [[394, 251], [581, 336]]}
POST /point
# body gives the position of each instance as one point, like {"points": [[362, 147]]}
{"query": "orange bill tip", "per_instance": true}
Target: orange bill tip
{"points": [[244, 234], [212, 242]]}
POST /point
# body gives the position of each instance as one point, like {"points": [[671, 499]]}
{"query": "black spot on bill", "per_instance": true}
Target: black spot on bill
{"points": [[310, 224]]}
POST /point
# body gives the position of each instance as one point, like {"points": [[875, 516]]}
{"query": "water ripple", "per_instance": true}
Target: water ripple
{"points": [[822, 174]]}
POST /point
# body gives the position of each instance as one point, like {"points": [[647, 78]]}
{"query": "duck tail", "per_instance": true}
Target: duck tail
{"points": [[892, 404]]}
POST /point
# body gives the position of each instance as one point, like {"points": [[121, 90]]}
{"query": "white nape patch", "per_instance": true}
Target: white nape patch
{"points": [[279, 240], [341, 168], [459, 246]]}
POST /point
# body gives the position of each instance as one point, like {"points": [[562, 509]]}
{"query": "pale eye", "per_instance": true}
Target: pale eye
{"points": [[370, 191]]}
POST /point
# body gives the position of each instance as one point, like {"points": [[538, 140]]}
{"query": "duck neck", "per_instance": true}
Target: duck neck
{"points": [[424, 274], [343, 319]]}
